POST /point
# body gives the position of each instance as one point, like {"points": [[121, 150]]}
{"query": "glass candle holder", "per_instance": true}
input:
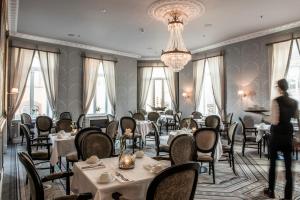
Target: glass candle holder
{"points": [[126, 161]]}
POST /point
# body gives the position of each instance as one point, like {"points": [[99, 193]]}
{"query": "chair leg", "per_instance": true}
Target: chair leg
{"points": [[229, 159], [243, 148], [209, 168], [22, 139], [68, 185], [133, 145], [213, 171], [232, 160], [68, 166]]}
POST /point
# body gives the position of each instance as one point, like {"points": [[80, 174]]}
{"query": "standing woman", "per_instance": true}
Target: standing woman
{"points": [[283, 109]]}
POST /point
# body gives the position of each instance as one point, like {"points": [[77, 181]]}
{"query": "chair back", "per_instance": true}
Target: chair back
{"points": [[248, 121], [112, 129], [26, 132], [26, 119], [65, 115], [143, 111], [138, 116], [197, 115], [153, 116], [188, 123], [43, 124], [206, 140], [169, 112], [182, 149], [228, 118], [212, 121], [110, 117], [175, 182], [156, 135], [127, 122], [80, 121], [35, 183], [64, 124], [80, 135], [96, 143], [231, 133]]}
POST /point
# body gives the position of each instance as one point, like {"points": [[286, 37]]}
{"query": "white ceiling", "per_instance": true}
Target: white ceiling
{"points": [[118, 27]]}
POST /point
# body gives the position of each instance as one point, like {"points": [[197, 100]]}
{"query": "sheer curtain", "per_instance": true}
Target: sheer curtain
{"points": [[216, 69], [198, 74], [50, 70], [298, 45], [90, 75], [281, 53], [21, 61], [172, 81], [110, 80], [144, 80]]}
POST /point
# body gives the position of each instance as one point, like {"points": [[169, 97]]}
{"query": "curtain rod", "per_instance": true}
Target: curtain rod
{"points": [[13, 46], [221, 54], [84, 56], [293, 38]]}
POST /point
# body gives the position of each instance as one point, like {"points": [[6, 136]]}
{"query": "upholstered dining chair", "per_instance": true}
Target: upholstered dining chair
{"points": [[64, 124], [173, 123], [80, 123], [249, 135], [138, 116], [143, 111], [213, 121], [112, 131], [188, 123], [227, 123], [43, 125], [160, 148], [36, 182], [228, 150], [76, 156], [206, 140], [65, 115], [197, 115], [96, 143], [130, 123], [182, 149], [40, 155], [153, 116], [26, 119]]}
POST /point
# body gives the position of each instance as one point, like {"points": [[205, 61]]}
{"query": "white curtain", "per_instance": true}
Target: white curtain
{"points": [[110, 80], [281, 53], [21, 61], [216, 69], [144, 76], [90, 75], [298, 45], [50, 70], [172, 81], [198, 74]]}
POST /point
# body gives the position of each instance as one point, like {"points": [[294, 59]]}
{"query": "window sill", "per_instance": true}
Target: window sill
{"points": [[95, 115]]}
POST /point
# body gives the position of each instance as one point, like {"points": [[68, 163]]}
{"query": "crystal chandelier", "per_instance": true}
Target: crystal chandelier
{"points": [[176, 54], [175, 12]]}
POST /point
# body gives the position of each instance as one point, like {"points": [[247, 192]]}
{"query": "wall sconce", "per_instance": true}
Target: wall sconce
{"points": [[241, 93], [185, 95], [13, 91]]}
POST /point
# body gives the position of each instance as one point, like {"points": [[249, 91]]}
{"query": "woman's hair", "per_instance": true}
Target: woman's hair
{"points": [[283, 85]]}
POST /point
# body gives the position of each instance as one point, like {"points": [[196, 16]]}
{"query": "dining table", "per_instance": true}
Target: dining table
{"points": [[85, 179]]}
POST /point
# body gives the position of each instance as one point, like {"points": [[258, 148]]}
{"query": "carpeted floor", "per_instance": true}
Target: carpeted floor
{"points": [[249, 182]]}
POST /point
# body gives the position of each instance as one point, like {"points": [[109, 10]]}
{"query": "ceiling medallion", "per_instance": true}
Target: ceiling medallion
{"points": [[176, 13]]}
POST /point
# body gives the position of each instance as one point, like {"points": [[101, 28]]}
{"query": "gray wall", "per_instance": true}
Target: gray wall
{"points": [[70, 78]]}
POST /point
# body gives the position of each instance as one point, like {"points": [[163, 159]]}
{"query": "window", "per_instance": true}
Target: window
{"points": [[207, 104], [293, 76], [100, 103], [158, 95], [35, 101]]}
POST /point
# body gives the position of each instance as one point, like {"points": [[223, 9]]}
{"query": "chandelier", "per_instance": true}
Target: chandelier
{"points": [[175, 13]]}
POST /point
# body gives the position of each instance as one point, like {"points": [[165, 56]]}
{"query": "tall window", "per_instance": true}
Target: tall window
{"points": [[35, 101], [207, 104], [158, 95], [100, 103], [293, 76]]}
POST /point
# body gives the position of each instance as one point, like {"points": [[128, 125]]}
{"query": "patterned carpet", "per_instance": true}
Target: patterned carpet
{"points": [[252, 173]]}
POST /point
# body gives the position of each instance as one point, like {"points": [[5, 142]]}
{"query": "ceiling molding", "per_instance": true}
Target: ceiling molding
{"points": [[13, 12], [71, 44], [249, 36], [148, 58]]}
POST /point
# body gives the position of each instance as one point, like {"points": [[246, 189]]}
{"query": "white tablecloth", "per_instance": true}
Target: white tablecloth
{"points": [[262, 129], [61, 147], [86, 180], [219, 148]]}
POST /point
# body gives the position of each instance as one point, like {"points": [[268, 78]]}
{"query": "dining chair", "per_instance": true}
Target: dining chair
{"points": [[64, 125], [213, 121], [138, 116], [159, 147], [197, 115], [112, 131], [130, 113], [188, 123], [43, 125], [110, 117], [96, 143], [130, 123], [143, 111], [227, 123], [169, 112], [249, 135], [228, 150], [36, 182], [182, 149], [172, 123], [76, 156], [65, 115], [206, 140], [153, 116], [26, 119], [40, 155], [80, 123]]}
